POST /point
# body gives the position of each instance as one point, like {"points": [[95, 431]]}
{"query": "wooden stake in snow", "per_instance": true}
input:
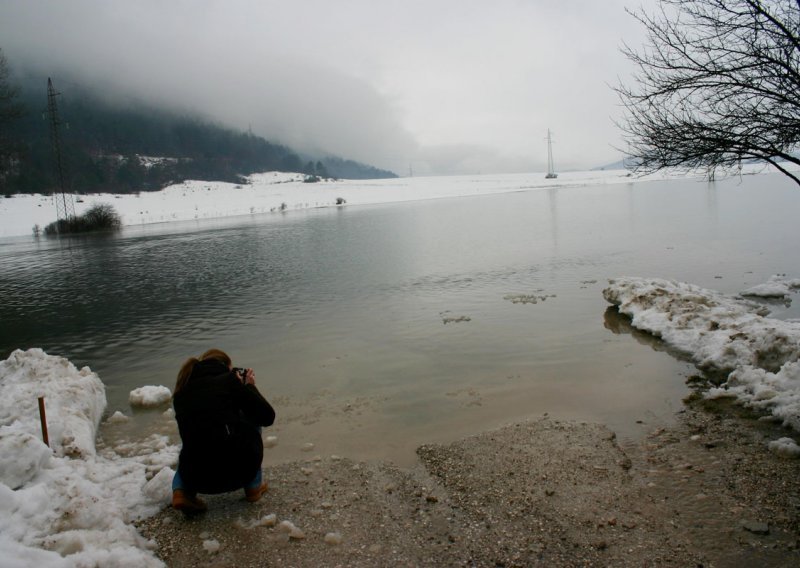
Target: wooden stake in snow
{"points": [[43, 417]]}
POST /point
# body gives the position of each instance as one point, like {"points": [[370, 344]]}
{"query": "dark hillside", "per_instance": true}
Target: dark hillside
{"points": [[138, 148]]}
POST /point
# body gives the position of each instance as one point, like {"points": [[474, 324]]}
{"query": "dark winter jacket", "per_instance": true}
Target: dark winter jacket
{"points": [[219, 419]]}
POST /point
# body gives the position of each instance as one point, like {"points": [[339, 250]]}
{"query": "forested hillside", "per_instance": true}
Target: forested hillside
{"points": [[123, 149]]}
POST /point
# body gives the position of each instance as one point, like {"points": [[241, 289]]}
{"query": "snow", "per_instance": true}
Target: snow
{"points": [[70, 505], [282, 192], [73, 407], [118, 418], [785, 447], [264, 521], [150, 161], [289, 528], [756, 355], [276, 192], [778, 286]]}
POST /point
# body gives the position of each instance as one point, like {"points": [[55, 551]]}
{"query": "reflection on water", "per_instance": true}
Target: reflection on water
{"points": [[618, 324], [340, 310]]}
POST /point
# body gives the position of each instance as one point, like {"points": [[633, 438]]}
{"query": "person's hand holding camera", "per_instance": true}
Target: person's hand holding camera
{"points": [[247, 376]]}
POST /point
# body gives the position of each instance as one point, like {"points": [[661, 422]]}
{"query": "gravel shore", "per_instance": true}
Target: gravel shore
{"points": [[703, 492]]}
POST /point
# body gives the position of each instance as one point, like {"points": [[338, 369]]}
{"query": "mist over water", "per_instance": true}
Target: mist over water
{"points": [[377, 328]]}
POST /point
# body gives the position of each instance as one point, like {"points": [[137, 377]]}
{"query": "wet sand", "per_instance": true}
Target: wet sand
{"points": [[703, 491]]}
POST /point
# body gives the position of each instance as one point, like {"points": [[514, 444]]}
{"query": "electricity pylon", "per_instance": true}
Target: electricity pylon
{"points": [[65, 207]]}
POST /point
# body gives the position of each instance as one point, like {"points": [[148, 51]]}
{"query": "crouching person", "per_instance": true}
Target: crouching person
{"points": [[220, 414]]}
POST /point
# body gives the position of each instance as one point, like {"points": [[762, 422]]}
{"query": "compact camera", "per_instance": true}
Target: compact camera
{"points": [[240, 371]]}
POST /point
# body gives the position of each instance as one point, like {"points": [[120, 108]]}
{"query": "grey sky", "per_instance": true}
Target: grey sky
{"points": [[443, 86]]}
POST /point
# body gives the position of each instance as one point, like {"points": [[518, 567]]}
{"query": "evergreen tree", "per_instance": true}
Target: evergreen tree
{"points": [[10, 111]]}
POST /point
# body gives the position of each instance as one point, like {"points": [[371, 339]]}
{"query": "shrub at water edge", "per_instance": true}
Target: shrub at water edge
{"points": [[99, 217]]}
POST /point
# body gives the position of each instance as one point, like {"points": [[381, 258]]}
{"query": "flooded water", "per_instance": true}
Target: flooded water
{"points": [[374, 329]]}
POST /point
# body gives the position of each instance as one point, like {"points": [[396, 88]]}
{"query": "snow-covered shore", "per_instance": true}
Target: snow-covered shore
{"points": [[68, 504], [729, 335], [277, 191], [280, 191]]}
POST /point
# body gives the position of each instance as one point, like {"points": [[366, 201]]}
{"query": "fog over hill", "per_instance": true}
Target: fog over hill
{"points": [[123, 145], [447, 87]]}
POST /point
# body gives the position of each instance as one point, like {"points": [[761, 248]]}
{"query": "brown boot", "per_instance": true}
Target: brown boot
{"points": [[254, 494], [189, 504]]}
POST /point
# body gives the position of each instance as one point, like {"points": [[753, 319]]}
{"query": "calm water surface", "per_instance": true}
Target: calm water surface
{"points": [[342, 311]]}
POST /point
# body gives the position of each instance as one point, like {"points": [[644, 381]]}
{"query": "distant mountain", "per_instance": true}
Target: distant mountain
{"points": [[348, 169], [129, 148]]}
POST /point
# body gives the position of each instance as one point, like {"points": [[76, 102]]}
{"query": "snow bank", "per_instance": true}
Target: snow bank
{"points": [[70, 505], [73, 407], [729, 335]]}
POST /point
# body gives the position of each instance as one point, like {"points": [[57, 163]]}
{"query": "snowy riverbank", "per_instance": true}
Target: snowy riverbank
{"points": [[732, 336], [68, 505], [277, 191]]}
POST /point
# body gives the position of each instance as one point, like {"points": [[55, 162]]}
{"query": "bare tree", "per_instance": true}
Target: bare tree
{"points": [[717, 82]]}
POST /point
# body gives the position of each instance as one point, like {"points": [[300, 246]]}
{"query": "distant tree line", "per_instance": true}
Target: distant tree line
{"points": [[106, 146]]}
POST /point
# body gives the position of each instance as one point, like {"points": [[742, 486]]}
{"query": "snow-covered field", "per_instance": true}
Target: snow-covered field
{"points": [[277, 191], [72, 504]]}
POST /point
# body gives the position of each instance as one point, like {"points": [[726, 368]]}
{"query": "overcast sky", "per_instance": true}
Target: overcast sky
{"points": [[439, 86]]}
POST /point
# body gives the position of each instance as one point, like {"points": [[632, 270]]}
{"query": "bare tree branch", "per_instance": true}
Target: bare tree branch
{"points": [[716, 83]]}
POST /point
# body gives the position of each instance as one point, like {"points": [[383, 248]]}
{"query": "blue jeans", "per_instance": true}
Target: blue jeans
{"points": [[177, 482]]}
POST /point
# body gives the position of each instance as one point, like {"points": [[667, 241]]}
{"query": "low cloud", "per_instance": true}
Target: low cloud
{"points": [[448, 87]]}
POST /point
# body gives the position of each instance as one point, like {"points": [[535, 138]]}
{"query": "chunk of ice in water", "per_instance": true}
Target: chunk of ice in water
{"points": [[211, 546], [117, 418], [150, 395]]}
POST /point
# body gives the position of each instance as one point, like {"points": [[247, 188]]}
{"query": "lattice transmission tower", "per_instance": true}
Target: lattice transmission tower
{"points": [[65, 206]]}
